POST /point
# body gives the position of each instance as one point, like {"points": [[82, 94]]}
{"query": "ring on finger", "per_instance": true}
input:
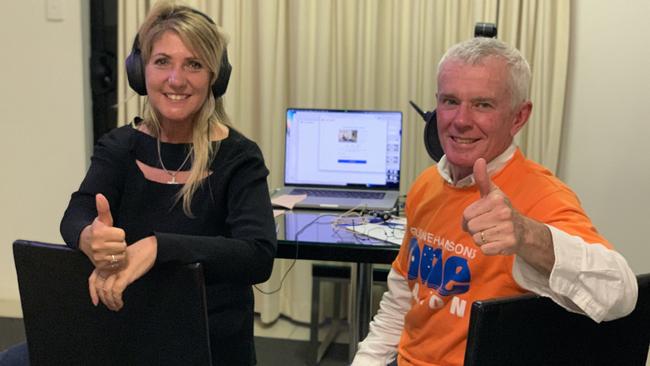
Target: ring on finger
{"points": [[113, 260], [483, 237]]}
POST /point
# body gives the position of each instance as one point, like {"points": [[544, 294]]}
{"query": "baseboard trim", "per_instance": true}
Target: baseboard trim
{"points": [[10, 308]]}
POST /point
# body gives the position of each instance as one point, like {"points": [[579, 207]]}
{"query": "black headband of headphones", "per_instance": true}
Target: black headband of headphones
{"points": [[135, 67]]}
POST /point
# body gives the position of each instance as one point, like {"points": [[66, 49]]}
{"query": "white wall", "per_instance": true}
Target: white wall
{"points": [[45, 125], [606, 147]]}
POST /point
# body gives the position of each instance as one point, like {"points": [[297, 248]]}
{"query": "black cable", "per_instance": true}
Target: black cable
{"points": [[293, 262]]}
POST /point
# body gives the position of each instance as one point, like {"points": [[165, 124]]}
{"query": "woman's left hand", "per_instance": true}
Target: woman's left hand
{"points": [[108, 287]]}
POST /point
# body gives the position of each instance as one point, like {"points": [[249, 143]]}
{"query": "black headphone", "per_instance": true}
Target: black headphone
{"points": [[135, 68], [431, 138]]}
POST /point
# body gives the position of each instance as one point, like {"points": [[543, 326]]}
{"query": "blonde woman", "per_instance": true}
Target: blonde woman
{"points": [[179, 185]]}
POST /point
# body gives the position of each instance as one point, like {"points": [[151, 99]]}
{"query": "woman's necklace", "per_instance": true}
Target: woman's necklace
{"points": [[172, 174]]}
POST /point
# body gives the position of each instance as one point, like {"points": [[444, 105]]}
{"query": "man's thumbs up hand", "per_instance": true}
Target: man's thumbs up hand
{"points": [[491, 221], [482, 179]]}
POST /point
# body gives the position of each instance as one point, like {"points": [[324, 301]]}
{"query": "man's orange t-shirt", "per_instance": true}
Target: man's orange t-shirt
{"points": [[446, 271]]}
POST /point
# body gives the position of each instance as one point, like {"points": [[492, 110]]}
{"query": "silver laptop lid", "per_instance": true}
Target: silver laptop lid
{"points": [[343, 148]]}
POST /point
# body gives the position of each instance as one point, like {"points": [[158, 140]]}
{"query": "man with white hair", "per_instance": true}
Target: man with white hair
{"points": [[487, 222]]}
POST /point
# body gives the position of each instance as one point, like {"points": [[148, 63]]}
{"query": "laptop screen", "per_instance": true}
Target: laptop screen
{"points": [[343, 148]]}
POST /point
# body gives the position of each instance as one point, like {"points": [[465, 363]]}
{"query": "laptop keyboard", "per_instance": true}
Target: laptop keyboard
{"points": [[341, 194]]}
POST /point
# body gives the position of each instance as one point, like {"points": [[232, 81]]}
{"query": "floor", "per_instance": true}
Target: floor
{"points": [[295, 346], [12, 332], [288, 329]]}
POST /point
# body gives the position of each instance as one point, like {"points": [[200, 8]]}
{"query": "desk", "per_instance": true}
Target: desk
{"points": [[318, 240]]}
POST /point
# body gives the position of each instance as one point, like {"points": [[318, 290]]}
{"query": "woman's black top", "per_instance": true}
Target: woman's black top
{"points": [[232, 232]]}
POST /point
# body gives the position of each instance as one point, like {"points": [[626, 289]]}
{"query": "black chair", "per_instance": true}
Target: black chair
{"points": [[532, 330], [163, 321]]}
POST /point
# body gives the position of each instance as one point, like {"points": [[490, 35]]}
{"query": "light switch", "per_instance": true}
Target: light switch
{"points": [[55, 10]]}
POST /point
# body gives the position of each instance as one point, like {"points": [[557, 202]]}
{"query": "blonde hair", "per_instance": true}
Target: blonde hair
{"points": [[204, 39]]}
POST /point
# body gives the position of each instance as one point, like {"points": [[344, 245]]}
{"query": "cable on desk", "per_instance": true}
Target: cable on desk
{"points": [[293, 262], [362, 217]]}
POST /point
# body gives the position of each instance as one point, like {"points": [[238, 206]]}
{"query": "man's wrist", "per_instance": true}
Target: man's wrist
{"points": [[537, 246]]}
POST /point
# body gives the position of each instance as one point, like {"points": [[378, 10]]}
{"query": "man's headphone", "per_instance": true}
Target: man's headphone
{"points": [[431, 139], [135, 68]]}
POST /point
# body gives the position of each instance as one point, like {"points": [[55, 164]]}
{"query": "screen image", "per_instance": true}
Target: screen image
{"points": [[343, 148]]}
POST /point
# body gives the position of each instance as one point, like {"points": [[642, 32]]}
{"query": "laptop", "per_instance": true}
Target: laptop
{"points": [[163, 321], [343, 159]]}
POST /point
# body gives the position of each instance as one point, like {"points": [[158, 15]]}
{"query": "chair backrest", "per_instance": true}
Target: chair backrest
{"points": [[163, 321], [532, 330]]}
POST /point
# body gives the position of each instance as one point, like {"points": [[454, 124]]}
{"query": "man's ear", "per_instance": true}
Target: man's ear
{"points": [[521, 117]]}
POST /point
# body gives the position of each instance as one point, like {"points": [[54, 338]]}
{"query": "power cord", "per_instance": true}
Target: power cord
{"points": [[293, 261]]}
